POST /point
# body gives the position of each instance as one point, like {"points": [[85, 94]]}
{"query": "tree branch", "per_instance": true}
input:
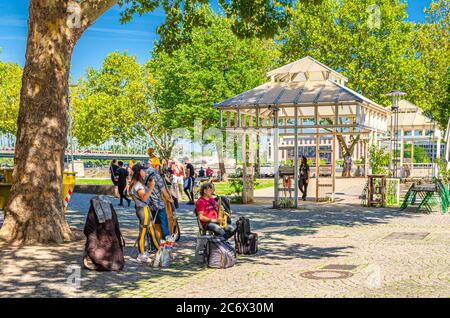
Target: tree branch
{"points": [[93, 9]]}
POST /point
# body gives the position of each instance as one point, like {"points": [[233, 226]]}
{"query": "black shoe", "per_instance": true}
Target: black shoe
{"points": [[304, 199], [120, 204], [191, 203]]}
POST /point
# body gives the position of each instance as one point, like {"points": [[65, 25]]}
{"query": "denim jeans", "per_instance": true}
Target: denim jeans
{"points": [[217, 230], [164, 222]]}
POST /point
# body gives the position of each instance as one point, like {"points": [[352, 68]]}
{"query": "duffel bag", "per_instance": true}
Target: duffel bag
{"points": [[219, 254]]}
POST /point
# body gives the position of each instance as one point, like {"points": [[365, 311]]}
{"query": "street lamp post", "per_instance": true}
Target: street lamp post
{"points": [[395, 94]]}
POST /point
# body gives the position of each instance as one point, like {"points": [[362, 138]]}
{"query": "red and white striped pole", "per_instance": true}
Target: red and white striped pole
{"points": [[67, 199]]}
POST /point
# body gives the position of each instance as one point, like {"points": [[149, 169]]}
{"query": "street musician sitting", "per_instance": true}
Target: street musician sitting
{"points": [[209, 211]]}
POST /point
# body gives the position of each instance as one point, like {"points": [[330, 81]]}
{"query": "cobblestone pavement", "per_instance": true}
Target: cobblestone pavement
{"points": [[338, 250]]}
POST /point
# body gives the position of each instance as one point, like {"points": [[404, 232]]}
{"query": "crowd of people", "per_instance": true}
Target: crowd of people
{"points": [[151, 186], [179, 177]]}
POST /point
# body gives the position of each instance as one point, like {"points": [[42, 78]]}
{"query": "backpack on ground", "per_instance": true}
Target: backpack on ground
{"points": [[104, 241], [219, 254], [246, 242]]}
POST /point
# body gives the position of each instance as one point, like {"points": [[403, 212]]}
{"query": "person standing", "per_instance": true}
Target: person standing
{"points": [[141, 194], [159, 193], [122, 175], [177, 180], [304, 176], [209, 172], [114, 178], [189, 181]]}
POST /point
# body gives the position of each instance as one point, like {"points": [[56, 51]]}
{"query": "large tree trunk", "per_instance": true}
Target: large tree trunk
{"points": [[35, 213]]}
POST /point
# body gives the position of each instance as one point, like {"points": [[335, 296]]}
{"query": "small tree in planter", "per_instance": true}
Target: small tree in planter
{"points": [[237, 188], [379, 160]]}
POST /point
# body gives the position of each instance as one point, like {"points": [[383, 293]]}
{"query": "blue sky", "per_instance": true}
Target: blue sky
{"points": [[106, 35]]}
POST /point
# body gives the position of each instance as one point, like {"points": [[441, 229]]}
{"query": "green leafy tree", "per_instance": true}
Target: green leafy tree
{"points": [[372, 44], [10, 84], [111, 102], [432, 42], [420, 154], [379, 159], [123, 99], [213, 66], [35, 211]]}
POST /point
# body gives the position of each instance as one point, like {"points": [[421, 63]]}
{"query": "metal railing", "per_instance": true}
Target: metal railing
{"points": [[137, 146]]}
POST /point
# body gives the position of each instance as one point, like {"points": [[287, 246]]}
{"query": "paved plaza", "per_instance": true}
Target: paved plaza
{"points": [[334, 250]]}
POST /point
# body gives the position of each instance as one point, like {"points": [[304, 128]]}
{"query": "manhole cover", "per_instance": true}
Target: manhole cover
{"points": [[342, 267], [406, 236], [326, 275]]}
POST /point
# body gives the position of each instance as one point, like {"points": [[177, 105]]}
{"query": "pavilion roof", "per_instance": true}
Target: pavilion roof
{"points": [[305, 68], [411, 115], [306, 93]]}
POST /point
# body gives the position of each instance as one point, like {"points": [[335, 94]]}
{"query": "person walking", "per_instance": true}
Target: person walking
{"points": [[122, 175], [304, 176], [114, 178], [189, 180], [177, 180]]}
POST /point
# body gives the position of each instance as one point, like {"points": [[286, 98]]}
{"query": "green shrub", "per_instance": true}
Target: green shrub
{"points": [[443, 172], [379, 160]]}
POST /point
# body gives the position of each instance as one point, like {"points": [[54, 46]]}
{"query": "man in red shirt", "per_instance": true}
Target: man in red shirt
{"points": [[207, 210], [209, 172]]}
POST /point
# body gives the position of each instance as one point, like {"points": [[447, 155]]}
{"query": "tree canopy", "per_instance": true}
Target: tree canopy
{"points": [[260, 18], [433, 47], [111, 102], [375, 47], [215, 65], [172, 89]]}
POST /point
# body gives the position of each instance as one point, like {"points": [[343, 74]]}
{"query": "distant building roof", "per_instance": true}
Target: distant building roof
{"points": [[304, 69], [412, 116]]}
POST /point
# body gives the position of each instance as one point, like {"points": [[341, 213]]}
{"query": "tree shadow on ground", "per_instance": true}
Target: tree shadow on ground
{"points": [[45, 271]]}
